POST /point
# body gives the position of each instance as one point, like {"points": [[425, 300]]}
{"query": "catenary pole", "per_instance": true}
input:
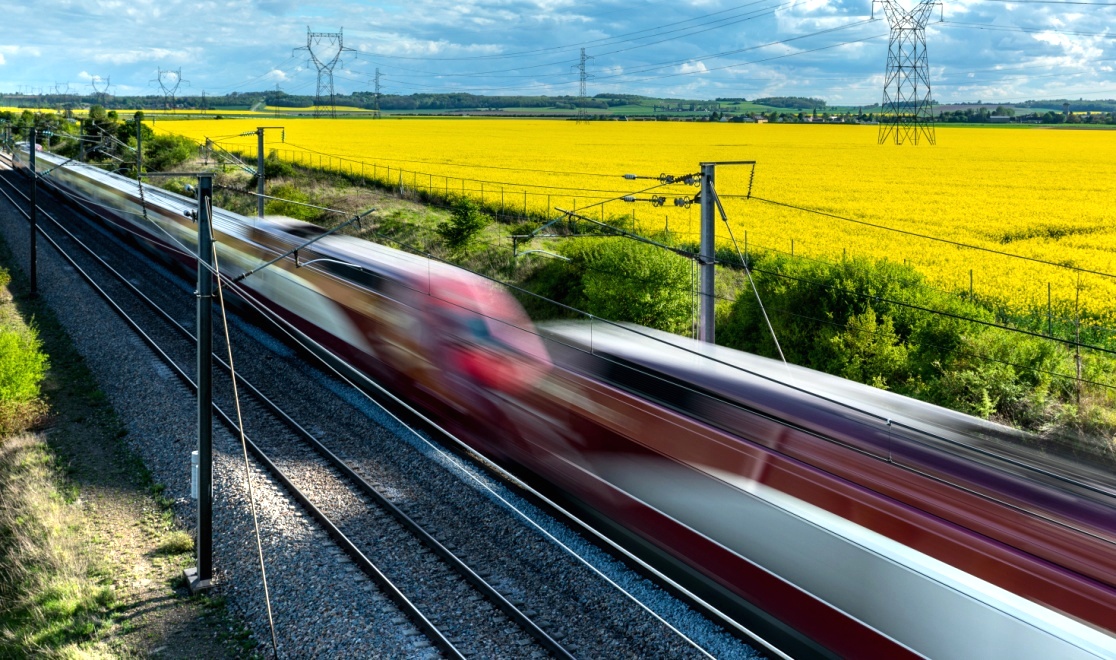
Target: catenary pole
{"points": [[260, 170], [139, 144], [34, 141], [204, 576], [260, 173], [707, 254]]}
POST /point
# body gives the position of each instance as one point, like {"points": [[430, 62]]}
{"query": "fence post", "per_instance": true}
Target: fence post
{"points": [[1077, 338], [1049, 313]]}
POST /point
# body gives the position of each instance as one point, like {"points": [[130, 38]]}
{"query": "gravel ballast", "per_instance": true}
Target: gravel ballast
{"points": [[322, 605]]}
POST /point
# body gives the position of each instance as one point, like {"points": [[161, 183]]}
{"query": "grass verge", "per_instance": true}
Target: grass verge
{"points": [[90, 551]]}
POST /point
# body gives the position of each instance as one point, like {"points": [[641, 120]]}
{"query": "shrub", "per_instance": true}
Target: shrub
{"points": [[466, 222], [163, 152], [871, 321], [22, 365], [623, 280], [288, 208], [273, 168]]}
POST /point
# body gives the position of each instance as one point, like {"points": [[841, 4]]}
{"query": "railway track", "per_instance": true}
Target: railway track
{"points": [[466, 595]]}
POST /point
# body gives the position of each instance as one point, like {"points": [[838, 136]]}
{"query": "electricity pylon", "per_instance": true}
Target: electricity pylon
{"points": [[907, 112], [168, 82], [325, 49], [582, 77], [100, 90], [377, 81]]}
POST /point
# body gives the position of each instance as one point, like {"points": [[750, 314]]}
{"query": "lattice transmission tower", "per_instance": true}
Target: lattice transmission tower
{"points": [[376, 114], [325, 49], [169, 81], [62, 90], [100, 88], [582, 77], [908, 108]]}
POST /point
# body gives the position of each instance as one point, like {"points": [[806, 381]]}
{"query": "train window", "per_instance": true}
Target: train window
{"points": [[305, 231], [651, 386], [352, 272], [668, 391]]}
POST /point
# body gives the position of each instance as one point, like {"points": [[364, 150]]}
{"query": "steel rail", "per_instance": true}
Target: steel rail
{"points": [[605, 541], [425, 537], [366, 565]]}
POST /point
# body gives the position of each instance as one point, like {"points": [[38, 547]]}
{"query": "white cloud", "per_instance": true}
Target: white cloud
{"points": [[141, 55], [30, 51], [528, 46]]}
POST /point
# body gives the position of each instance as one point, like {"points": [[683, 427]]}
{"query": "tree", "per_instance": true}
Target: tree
{"points": [[465, 223], [624, 280]]}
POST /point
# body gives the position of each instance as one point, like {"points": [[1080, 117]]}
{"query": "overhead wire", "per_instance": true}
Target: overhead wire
{"points": [[879, 299], [759, 13], [570, 46], [928, 237]]}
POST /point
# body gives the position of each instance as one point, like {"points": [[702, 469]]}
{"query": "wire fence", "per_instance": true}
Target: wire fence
{"points": [[1068, 325]]}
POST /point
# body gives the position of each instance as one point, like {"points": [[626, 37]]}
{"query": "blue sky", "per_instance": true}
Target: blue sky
{"points": [[989, 50]]}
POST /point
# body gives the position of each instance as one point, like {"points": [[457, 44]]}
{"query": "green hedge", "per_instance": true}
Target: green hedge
{"points": [[875, 322]]}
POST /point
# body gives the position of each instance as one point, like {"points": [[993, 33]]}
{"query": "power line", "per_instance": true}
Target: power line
{"points": [[1054, 2], [947, 241], [1030, 30], [572, 46]]}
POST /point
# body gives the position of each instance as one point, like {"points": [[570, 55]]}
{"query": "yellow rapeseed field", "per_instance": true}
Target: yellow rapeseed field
{"points": [[1039, 193]]}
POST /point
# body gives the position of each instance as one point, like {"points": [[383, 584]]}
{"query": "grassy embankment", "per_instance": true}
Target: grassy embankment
{"points": [[90, 554], [870, 321]]}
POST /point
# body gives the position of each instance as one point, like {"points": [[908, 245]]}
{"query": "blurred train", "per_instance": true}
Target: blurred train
{"points": [[832, 518]]}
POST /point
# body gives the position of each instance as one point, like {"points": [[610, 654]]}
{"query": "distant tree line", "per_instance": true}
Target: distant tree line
{"points": [[796, 102], [982, 115]]}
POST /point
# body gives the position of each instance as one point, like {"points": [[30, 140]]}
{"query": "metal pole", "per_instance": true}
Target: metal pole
{"points": [[260, 173], [139, 146], [708, 252], [34, 213], [202, 579]]}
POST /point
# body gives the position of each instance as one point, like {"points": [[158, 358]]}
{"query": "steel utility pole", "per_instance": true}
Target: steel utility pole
{"points": [[260, 169], [201, 577], [139, 144], [708, 252], [34, 212]]}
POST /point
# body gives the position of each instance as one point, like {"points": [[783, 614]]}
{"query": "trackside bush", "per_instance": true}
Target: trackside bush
{"points": [[623, 280], [291, 209], [466, 222], [22, 365], [871, 321], [163, 152], [22, 368]]}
